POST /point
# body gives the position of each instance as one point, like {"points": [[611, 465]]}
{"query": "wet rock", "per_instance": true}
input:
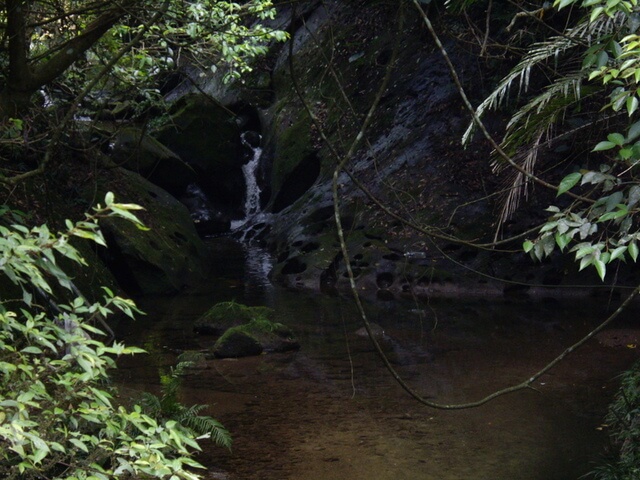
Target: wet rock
{"points": [[134, 150], [163, 259], [205, 134], [237, 343], [225, 315], [254, 338]]}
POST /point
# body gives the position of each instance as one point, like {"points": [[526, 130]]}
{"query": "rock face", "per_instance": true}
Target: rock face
{"points": [[410, 160], [409, 196]]}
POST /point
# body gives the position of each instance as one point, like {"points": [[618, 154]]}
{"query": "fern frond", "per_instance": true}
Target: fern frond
{"points": [[151, 404], [205, 425], [541, 53]]}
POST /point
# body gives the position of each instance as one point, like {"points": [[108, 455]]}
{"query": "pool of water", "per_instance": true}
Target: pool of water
{"points": [[332, 411]]}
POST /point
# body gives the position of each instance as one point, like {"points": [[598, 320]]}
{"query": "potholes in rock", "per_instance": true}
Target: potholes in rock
{"points": [[283, 256], [384, 280], [178, 237], [385, 295], [310, 247], [293, 266], [356, 272]]}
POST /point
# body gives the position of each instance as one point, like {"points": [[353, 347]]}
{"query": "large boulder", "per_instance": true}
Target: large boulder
{"points": [[205, 134], [163, 259], [134, 150]]}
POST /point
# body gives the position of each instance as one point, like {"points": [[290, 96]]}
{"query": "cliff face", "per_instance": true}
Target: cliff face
{"points": [[414, 204], [410, 165], [410, 159]]}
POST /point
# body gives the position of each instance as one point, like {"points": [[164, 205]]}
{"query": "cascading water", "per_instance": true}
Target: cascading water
{"points": [[258, 261], [252, 210]]}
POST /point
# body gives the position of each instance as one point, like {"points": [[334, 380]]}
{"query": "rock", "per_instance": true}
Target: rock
{"points": [[206, 136], [376, 330], [255, 337], [237, 343], [165, 258], [136, 151], [225, 315]]}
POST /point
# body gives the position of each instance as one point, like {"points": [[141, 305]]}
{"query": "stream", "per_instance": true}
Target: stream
{"points": [[332, 411]]}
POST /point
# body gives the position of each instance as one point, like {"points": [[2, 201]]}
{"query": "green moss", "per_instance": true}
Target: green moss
{"points": [[252, 338], [225, 315], [292, 146], [237, 311]]}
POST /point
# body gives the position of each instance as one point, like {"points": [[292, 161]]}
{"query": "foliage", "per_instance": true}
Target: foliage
{"points": [[58, 418], [605, 224], [593, 65], [623, 420], [168, 407], [63, 50]]}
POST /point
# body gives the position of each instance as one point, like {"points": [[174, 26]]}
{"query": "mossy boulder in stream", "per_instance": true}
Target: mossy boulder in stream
{"points": [[225, 315], [257, 336], [244, 330]]}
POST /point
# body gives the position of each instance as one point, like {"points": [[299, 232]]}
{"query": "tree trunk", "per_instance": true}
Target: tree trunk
{"points": [[24, 79]]}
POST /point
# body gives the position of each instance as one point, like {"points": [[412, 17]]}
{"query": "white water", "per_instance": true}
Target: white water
{"points": [[252, 208]]}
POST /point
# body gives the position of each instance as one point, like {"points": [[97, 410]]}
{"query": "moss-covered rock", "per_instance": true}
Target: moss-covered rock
{"points": [[134, 150], [259, 335], [225, 315], [163, 259], [206, 136]]}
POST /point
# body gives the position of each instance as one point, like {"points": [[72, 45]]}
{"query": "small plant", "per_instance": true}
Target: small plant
{"points": [[624, 422], [168, 407]]}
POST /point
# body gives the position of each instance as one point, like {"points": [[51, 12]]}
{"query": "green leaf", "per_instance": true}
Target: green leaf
{"points": [[634, 132], [618, 253], [604, 145], [527, 246], [601, 268], [586, 261], [633, 195], [632, 105], [616, 138], [562, 240], [633, 251], [31, 349], [569, 182], [79, 444]]}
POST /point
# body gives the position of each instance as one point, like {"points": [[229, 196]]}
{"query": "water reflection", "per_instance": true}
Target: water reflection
{"points": [[331, 411]]}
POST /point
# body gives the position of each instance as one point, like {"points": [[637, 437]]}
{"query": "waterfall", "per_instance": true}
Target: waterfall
{"points": [[252, 201], [258, 261]]}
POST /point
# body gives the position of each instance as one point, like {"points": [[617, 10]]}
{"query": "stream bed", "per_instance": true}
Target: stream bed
{"points": [[332, 410]]}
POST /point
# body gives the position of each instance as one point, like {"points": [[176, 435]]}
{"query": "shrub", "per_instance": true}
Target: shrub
{"points": [[58, 418]]}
